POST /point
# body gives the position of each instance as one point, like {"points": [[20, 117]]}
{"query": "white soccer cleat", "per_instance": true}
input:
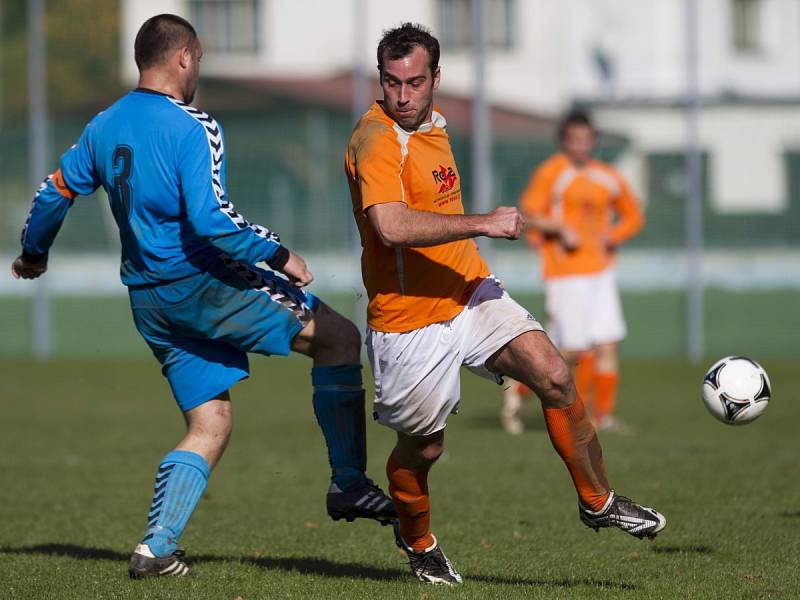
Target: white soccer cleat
{"points": [[431, 565], [144, 563], [632, 518]]}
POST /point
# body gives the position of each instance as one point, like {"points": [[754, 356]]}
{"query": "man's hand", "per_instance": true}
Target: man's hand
{"points": [[297, 271], [28, 268], [504, 222], [568, 238], [609, 245]]}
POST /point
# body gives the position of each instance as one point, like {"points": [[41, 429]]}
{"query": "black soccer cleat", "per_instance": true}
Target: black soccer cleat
{"points": [[431, 565], [145, 564], [367, 502], [619, 511]]}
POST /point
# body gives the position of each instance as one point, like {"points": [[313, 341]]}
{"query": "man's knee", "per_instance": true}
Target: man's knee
{"points": [[430, 454], [348, 335], [335, 334], [557, 385], [212, 423], [419, 453]]}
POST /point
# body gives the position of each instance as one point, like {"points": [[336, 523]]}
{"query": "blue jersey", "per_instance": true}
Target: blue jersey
{"points": [[162, 164]]}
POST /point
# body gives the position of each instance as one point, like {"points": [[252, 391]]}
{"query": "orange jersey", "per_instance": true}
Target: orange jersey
{"points": [[409, 288], [594, 201]]}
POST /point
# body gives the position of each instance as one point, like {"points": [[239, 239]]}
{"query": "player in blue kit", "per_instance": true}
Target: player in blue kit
{"points": [[197, 299]]}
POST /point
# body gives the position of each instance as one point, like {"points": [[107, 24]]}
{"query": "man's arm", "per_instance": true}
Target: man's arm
{"points": [[213, 217], [75, 176], [631, 217], [535, 204], [550, 228], [397, 225]]}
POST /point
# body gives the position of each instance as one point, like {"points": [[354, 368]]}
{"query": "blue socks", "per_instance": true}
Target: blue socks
{"points": [[182, 476], [339, 408], [180, 482]]}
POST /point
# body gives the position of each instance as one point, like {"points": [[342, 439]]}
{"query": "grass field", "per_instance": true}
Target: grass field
{"points": [[80, 440], [762, 324]]}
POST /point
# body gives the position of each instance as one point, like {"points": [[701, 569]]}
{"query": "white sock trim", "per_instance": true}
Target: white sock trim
{"points": [[144, 550], [609, 500]]}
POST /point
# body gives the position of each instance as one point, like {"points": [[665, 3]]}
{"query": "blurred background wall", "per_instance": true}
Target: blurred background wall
{"points": [[283, 79]]}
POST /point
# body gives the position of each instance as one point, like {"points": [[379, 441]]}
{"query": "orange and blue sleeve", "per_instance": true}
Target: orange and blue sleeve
{"points": [[75, 176]]}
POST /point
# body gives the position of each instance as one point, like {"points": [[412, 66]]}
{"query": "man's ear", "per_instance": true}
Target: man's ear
{"points": [[185, 57], [436, 76]]}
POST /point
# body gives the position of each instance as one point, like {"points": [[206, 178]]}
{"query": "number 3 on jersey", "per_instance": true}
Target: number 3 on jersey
{"points": [[122, 162]]}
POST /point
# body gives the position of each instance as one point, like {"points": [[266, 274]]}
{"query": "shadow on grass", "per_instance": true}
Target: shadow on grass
{"points": [[791, 514], [563, 583], [307, 565], [695, 549]]}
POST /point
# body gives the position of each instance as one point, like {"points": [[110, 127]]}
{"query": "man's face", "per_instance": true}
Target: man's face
{"points": [[192, 74], [578, 143], [408, 86]]}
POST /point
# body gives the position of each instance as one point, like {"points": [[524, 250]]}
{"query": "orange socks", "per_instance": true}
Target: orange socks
{"points": [[584, 378], [575, 440], [409, 490], [606, 395]]}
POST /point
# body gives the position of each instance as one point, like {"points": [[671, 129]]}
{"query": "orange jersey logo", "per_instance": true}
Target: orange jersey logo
{"points": [[445, 176]]}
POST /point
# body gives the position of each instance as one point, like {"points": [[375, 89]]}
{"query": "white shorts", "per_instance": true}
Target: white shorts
{"points": [[417, 379], [584, 310]]}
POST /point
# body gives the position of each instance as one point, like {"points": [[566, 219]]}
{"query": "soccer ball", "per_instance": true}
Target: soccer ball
{"points": [[736, 390]]}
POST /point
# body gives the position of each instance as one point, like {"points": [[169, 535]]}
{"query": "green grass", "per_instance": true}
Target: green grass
{"points": [[760, 324], [80, 440]]}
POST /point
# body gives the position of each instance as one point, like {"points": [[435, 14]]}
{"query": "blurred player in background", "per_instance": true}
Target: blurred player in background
{"points": [[434, 306], [198, 300], [582, 210]]}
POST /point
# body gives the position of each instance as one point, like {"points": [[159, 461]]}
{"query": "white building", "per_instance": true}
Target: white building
{"points": [[544, 53], [624, 57]]}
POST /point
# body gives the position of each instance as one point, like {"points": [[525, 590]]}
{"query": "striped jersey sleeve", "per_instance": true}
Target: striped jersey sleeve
{"points": [[75, 176], [201, 165]]}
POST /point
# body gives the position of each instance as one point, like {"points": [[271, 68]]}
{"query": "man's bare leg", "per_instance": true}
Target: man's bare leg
{"points": [[511, 411], [606, 382], [208, 429], [180, 482], [407, 470], [532, 359]]}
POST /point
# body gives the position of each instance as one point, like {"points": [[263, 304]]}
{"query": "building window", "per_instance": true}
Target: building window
{"points": [[226, 26], [455, 24], [746, 26]]}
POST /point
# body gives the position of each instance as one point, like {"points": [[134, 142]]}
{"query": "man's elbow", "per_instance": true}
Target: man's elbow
{"points": [[391, 239], [390, 235]]}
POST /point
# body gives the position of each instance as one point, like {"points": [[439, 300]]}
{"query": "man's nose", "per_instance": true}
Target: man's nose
{"points": [[402, 97]]}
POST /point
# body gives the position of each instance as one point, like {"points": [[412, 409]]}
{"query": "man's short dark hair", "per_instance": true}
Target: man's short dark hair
{"points": [[401, 41], [159, 36], [574, 117]]}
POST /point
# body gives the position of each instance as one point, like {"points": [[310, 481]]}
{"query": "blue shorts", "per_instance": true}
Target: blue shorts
{"points": [[201, 328]]}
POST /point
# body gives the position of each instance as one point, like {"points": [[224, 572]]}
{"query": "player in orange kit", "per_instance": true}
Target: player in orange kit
{"points": [[584, 210], [434, 306]]}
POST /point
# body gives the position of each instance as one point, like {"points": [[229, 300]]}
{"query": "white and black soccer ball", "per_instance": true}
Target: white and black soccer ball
{"points": [[736, 390]]}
